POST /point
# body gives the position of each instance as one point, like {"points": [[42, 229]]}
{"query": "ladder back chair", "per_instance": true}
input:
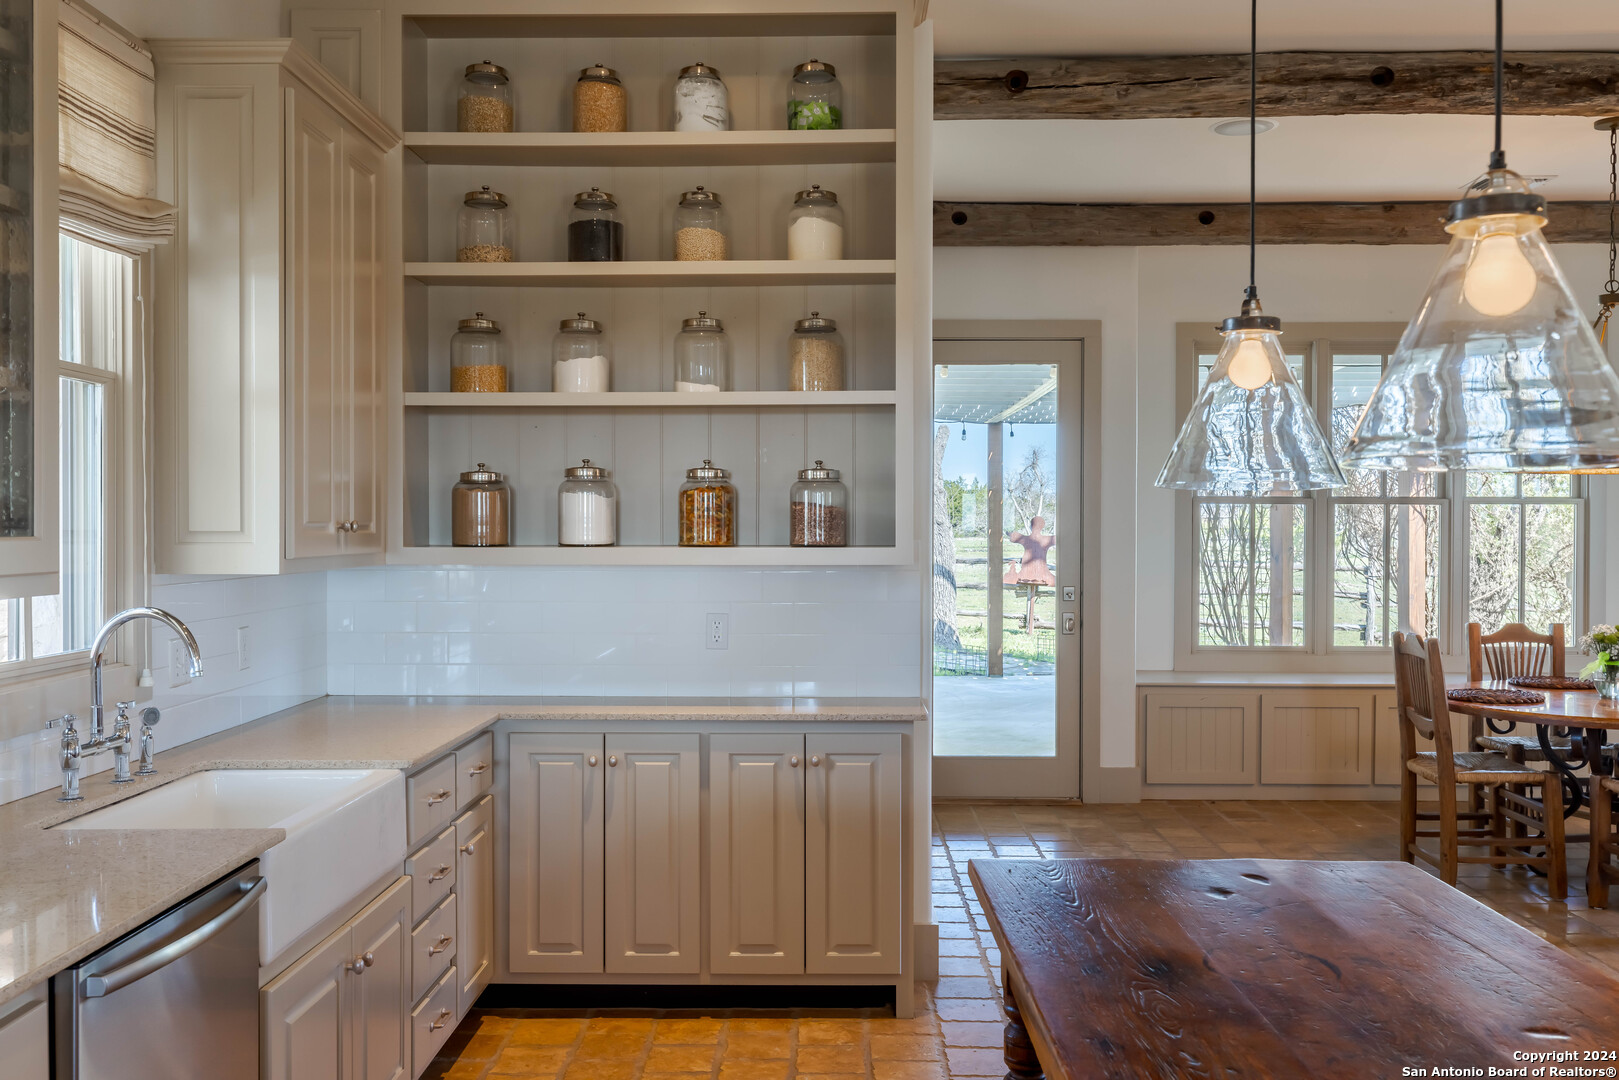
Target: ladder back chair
{"points": [[1512, 651], [1604, 844], [1424, 713]]}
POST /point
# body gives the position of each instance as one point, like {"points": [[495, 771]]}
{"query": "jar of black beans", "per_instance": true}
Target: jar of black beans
{"points": [[595, 234]]}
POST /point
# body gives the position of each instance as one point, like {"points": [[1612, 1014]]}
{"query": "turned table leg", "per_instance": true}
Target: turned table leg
{"points": [[1021, 1062]]}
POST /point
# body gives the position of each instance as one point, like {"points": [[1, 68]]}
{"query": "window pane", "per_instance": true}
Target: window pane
{"points": [[1417, 543], [1385, 573], [1548, 566], [95, 285], [10, 637], [1493, 531], [84, 501], [1251, 574], [1492, 485], [1547, 485], [47, 620]]}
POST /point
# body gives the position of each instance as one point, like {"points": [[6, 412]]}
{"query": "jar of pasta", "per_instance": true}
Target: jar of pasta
{"points": [[600, 102], [707, 507], [477, 357], [485, 102]]}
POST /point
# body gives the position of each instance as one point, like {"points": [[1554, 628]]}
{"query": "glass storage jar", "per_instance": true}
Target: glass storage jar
{"points": [[707, 507], [702, 355], [700, 228], [587, 507], [483, 229], [815, 225], [815, 355], [701, 101], [595, 233], [814, 98], [478, 357], [599, 101], [481, 509], [819, 508], [580, 360], [485, 103]]}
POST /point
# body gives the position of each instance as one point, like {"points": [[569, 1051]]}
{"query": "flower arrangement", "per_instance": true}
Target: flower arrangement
{"points": [[1602, 640]]}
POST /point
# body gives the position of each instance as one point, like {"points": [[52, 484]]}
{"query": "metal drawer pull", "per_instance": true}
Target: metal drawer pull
{"points": [[612, 761], [478, 769], [444, 942], [439, 875], [466, 849], [793, 761], [438, 797], [101, 985], [443, 1018], [591, 761]]}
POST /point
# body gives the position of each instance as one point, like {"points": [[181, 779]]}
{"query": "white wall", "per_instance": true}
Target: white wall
{"points": [[195, 18]]}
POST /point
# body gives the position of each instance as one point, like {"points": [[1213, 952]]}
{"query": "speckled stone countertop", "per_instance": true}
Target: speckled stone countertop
{"points": [[65, 894]]}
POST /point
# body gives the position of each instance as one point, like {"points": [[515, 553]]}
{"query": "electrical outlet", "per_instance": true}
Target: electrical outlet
{"points": [[242, 662], [716, 631], [179, 663]]}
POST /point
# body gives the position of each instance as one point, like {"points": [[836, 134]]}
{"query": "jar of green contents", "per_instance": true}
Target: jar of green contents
{"points": [[815, 98]]}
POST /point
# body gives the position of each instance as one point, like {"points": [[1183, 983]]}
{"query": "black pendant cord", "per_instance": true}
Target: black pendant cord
{"points": [[1498, 158], [1253, 143], [1613, 206]]}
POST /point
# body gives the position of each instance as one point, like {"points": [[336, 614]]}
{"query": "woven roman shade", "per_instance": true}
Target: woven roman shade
{"points": [[107, 149]]}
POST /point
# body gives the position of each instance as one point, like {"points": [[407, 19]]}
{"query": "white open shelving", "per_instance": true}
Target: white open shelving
{"points": [[731, 399], [653, 148], [653, 274]]}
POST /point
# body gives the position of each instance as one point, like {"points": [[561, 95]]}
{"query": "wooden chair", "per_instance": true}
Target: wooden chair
{"points": [[1423, 710], [1511, 651], [1604, 844]]}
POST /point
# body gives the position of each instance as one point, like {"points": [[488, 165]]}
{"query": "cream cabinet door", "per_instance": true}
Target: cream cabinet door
{"points": [[475, 893], [654, 853], [555, 805], [303, 1013], [360, 389], [853, 857], [756, 854], [25, 1038], [316, 360], [379, 1019]]}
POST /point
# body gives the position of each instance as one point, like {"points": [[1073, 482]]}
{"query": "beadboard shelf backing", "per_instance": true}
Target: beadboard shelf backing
{"points": [[653, 148], [654, 400]]}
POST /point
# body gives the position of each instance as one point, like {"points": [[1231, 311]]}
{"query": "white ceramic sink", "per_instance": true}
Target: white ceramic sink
{"points": [[345, 830]]}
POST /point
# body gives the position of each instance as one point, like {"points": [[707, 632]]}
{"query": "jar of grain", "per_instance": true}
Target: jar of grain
{"points": [[478, 357], [815, 225], [701, 101], [481, 509], [484, 231], [587, 507], [707, 507], [595, 233], [815, 355], [580, 361], [599, 101], [819, 508], [485, 103], [700, 228], [814, 98], [702, 355]]}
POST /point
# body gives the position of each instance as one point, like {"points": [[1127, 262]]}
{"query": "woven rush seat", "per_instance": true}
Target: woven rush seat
{"points": [[1476, 767], [1527, 745]]}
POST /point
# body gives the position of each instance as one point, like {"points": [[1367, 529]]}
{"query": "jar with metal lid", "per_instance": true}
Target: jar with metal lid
{"points": [[701, 101], [599, 101], [587, 507], [700, 228], [702, 355], [819, 508], [815, 225], [485, 102], [478, 357], [481, 509], [707, 507], [580, 360], [814, 98], [595, 233], [815, 355], [484, 231]]}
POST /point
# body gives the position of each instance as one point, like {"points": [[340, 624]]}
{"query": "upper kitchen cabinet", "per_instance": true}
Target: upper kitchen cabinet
{"points": [[270, 329], [28, 325]]}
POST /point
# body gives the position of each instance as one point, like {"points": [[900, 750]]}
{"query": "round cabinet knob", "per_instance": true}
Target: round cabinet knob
{"points": [[466, 849], [815, 760], [792, 762], [357, 965], [369, 958], [612, 761], [591, 761]]}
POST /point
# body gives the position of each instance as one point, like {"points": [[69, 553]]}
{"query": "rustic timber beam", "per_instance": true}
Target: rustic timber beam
{"points": [[988, 224], [1290, 84]]}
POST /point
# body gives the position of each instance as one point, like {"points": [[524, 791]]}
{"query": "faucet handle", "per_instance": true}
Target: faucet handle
{"points": [[66, 721], [123, 709]]}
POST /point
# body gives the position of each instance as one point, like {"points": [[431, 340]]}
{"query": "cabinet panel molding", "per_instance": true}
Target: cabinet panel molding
{"points": [[475, 908], [555, 845], [756, 854], [853, 863], [1200, 738], [654, 839], [1316, 737], [381, 1001]]}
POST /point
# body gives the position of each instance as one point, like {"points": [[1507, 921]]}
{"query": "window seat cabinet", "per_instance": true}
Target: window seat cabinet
{"points": [[269, 325]]}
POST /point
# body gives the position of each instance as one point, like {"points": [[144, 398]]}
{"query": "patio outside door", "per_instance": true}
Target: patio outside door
{"points": [[1006, 577]]}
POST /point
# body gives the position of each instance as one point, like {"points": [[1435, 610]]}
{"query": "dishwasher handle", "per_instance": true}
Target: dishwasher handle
{"points": [[101, 985]]}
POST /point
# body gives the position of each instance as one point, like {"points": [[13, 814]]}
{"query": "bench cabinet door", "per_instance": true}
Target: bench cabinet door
{"points": [[756, 854], [853, 866]]}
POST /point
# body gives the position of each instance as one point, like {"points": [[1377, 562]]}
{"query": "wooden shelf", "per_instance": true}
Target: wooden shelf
{"points": [[648, 555], [655, 274], [654, 148], [643, 25], [733, 399]]}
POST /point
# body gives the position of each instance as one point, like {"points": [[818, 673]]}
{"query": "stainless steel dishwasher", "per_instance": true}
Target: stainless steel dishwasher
{"points": [[177, 999]]}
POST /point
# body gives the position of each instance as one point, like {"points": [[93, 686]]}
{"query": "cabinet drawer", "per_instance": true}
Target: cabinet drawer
{"points": [[474, 769], [431, 1023], [430, 799], [432, 947], [432, 874]]}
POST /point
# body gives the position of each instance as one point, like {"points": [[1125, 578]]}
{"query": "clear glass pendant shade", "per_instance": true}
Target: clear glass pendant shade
{"points": [[1251, 431], [1499, 370]]}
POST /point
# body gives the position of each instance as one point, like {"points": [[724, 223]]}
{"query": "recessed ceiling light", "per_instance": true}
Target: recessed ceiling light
{"points": [[1239, 126]]}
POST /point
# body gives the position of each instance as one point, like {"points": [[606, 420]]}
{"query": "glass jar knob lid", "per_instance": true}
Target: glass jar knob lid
{"points": [[707, 471], [585, 471], [595, 198], [815, 195], [484, 199], [481, 475], [581, 324], [486, 71], [599, 72], [816, 69], [815, 324], [703, 321], [818, 471], [700, 70], [479, 325], [699, 196]]}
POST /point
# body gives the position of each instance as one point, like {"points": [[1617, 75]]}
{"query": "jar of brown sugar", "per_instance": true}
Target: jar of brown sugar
{"points": [[481, 509], [600, 102], [819, 508]]}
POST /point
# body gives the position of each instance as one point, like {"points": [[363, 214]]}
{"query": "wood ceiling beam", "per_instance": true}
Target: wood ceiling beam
{"points": [[1290, 84], [989, 224]]}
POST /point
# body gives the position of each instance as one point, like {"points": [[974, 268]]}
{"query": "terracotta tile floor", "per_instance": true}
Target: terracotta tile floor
{"points": [[957, 1030]]}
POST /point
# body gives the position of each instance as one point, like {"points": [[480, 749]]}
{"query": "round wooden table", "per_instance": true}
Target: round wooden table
{"points": [[1585, 713]]}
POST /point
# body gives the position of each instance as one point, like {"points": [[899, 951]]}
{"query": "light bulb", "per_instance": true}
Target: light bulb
{"points": [[1250, 367], [1499, 281]]}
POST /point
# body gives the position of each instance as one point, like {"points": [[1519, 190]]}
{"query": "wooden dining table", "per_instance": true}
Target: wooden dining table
{"points": [[1585, 714]]}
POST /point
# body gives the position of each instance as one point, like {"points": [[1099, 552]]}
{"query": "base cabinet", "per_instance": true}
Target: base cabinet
{"points": [[652, 861], [853, 857], [555, 865], [756, 854], [475, 895], [25, 1037]]}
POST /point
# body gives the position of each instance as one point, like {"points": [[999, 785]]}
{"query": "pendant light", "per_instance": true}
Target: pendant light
{"points": [[1498, 369], [1251, 430], [1609, 300]]}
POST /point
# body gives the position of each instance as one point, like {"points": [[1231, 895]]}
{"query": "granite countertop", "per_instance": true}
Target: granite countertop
{"points": [[65, 894]]}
